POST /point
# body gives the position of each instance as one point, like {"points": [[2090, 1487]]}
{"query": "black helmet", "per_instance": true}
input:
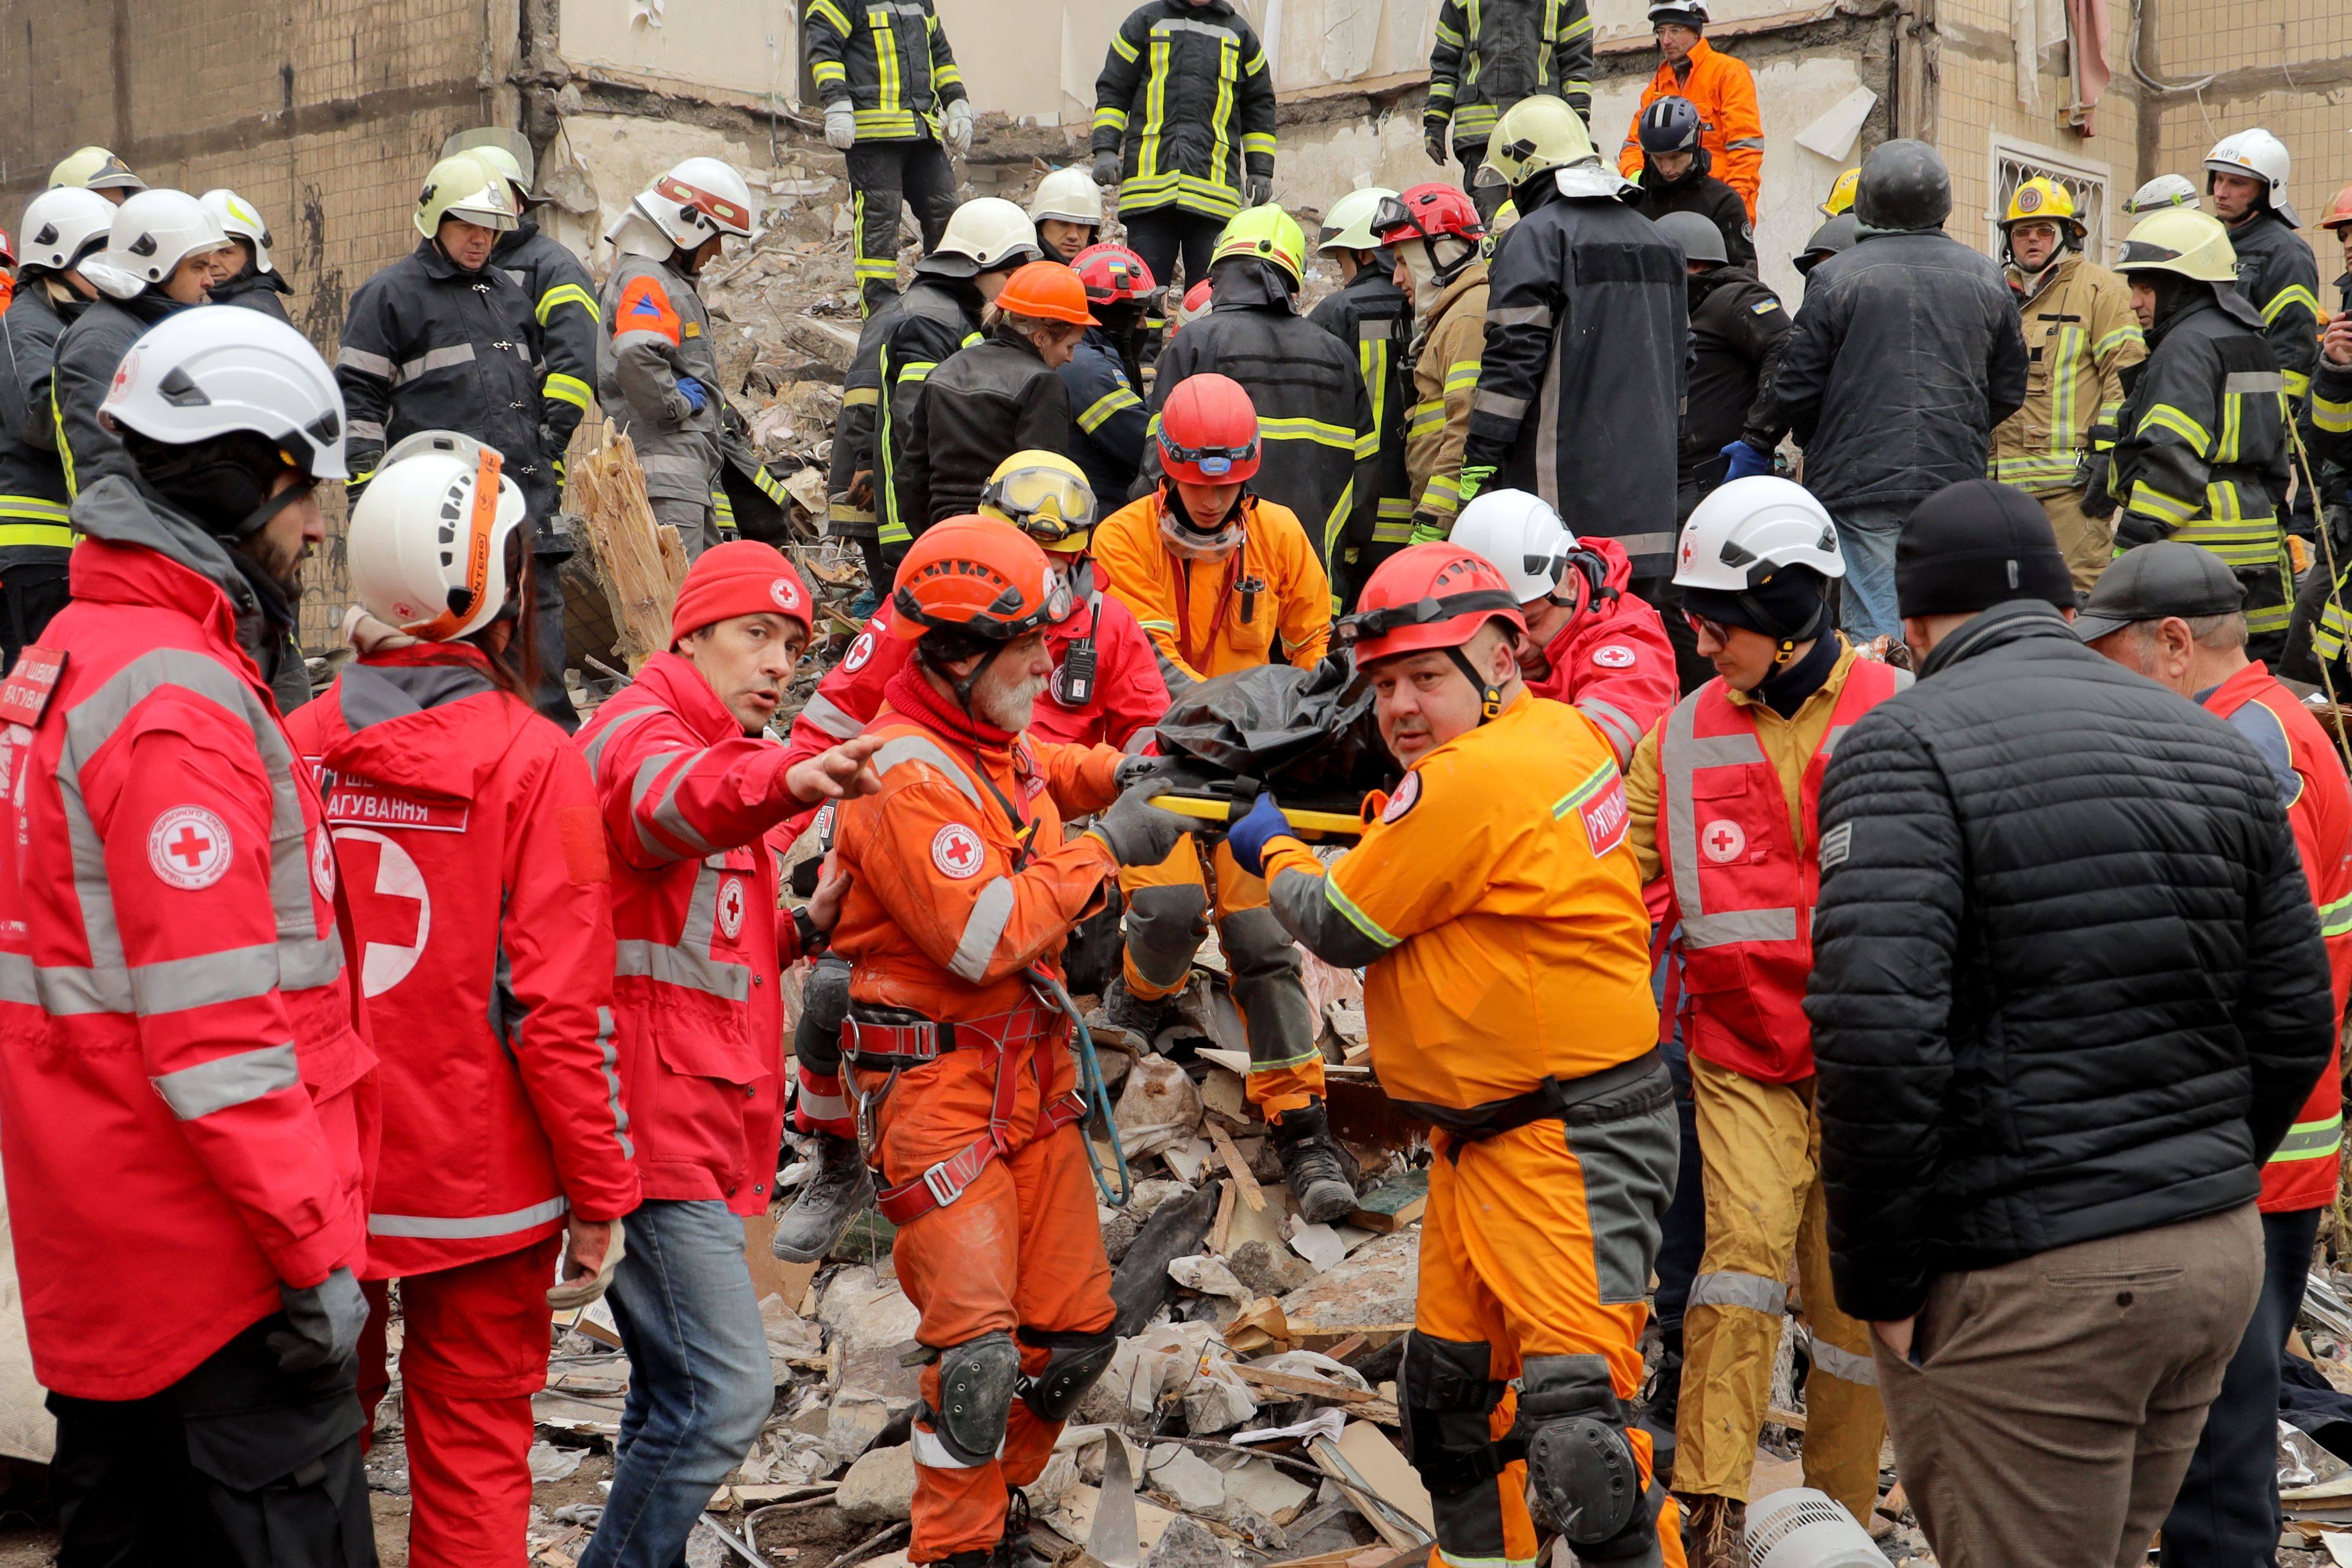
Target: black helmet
{"points": [[1670, 125], [1835, 235], [1698, 236], [1904, 188]]}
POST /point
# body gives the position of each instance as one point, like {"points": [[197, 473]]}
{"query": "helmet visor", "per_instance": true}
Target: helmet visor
{"points": [[1393, 214], [1043, 503], [1491, 177]]}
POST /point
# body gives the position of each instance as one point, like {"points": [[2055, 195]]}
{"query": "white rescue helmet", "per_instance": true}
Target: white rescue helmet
{"points": [[60, 225], [2162, 192], [1348, 225], [432, 540], [1521, 535], [93, 169], [991, 233], [239, 219], [697, 199], [1746, 529], [154, 232], [1069, 194], [198, 375], [2257, 155]]}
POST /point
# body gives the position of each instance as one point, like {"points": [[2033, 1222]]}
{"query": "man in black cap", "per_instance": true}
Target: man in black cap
{"points": [[2068, 993], [2172, 611]]}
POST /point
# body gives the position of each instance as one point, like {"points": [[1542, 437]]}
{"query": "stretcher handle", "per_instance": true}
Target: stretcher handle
{"points": [[1308, 824]]}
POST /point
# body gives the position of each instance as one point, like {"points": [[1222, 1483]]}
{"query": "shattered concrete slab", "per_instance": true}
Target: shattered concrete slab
{"points": [[1373, 1287]]}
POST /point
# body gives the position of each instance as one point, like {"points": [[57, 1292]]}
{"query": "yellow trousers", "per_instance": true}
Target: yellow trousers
{"points": [[1761, 1148]]}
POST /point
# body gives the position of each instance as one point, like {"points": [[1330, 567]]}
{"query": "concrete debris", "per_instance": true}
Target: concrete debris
{"points": [[1267, 1269], [1257, 1485], [791, 1337], [852, 1422], [1373, 1288], [1185, 1478], [880, 1488], [1187, 1543], [1210, 1277], [1319, 1244], [871, 1324]]}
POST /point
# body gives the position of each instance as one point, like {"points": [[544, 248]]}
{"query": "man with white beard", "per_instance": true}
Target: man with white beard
{"points": [[1434, 232]]}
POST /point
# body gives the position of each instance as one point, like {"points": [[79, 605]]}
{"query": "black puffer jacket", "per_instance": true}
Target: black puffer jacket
{"points": [[2067, 977], [1905, 354], [983, 404]]}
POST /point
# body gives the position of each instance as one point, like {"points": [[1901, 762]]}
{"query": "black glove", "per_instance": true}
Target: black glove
{"points": [[1136, 770], [1107, 168], [1258, 189], [1434, 140], [2138, 529], [1138, 832], [322, 1324], [2093, 477]]}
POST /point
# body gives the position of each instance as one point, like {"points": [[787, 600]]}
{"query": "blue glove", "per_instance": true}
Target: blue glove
{"points": [[1248, 837], [1747, 462], [691, 390]]}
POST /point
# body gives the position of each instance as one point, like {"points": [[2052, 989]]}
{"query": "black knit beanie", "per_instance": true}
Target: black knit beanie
{"points": [[1786, 606], [1976, 545]]}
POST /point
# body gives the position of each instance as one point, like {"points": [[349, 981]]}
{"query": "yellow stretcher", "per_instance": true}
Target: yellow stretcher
{"points": [[1308, 824]]}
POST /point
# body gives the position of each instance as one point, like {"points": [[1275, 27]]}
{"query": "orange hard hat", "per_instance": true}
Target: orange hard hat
{"points": [[2339, 211], [1433, 597], [1049, 292], [1208, 431], [976, 577]]}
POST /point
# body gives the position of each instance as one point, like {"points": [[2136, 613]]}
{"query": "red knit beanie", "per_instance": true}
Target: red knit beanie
{"points": [[744, 578]]}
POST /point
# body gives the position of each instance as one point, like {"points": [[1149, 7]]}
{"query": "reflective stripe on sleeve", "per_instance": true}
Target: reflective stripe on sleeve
{"points": [[467, 1228], [228, 1081], [992, 911]]}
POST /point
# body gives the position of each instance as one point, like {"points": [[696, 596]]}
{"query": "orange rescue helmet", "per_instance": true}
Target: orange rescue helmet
{"points": [[2339, 211], [1049, 292], [976, 577], [1434, 597], [1208, 432]]}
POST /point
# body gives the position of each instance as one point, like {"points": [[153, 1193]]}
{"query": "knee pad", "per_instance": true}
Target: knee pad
{"points": [[1445, 1396], [1073, 1363], [1582, 1467], [976, 1383], [824, 1005]]}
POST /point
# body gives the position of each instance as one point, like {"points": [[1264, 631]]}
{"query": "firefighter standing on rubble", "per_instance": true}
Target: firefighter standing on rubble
{"points": [[1509, 1003], [1435, 232], [480, 900], [962, 887], [687, 786], [187, 1102], [1723, 798], [2080, 336], [1371, 315], [1224, 579], [1487, 55], [895, 106]]}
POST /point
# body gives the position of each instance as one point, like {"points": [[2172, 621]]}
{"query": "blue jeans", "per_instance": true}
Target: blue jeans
{"points": [[1866, 536], [700, 1381]]}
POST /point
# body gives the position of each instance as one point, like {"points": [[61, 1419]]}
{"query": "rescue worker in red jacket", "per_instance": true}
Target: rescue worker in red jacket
{"points": [[687, 787], [962, 888], [1724, 797], [1499, 923], [187, 1101], [1106, 690], [1590, 642], [465, 824], [2176, 613]]}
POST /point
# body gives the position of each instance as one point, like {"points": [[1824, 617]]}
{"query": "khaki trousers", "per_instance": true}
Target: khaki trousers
{"points": [[2088, 543], [2053, 1403], [1760, 1146]]}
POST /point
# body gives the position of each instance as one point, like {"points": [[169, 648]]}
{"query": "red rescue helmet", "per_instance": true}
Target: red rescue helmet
{"points": [[1208, 432], [978, 578], [1428, 212], [1114, 274], [1435, 598]]}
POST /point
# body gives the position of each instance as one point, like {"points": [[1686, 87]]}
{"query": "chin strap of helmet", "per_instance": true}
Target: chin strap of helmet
{"points": [[1490, 697]]}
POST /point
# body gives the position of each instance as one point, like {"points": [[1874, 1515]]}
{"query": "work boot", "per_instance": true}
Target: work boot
{"points": [[1311, 1164], [1714, 1531], [1018, 1549], [1122, 1009], [1661, 1401], [828, 1201]]}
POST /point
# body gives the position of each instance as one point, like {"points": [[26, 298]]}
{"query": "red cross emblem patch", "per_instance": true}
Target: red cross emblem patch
{"points": [[957, 852], [731, 908], [1722, 842], [189, 848]]}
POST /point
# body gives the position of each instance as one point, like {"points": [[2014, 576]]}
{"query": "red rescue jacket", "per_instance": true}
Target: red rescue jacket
{"points": [[1614, 664], [474, 863], [187, 1109], [686, 797], [1742, 894], [2303, 1174]]}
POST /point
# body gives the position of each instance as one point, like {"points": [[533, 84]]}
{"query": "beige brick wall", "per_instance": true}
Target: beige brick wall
{"points": [[323, 113]]}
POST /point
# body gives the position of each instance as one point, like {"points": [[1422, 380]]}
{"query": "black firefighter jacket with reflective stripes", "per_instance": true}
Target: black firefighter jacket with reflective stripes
{"points": [[1736, 328], [253, 289], [983, 404], [429, 346], [2279, 276], [1187, 93], [1107, 422], [89, 351], [2202, 431], [937, 316], [889, 58], [33, 496], [2067, 978], [1490, 54], [853, 431], [564, 302], [1371, 315], [1316, 452], [1580, 387], [1905, 354], [657, 329]]}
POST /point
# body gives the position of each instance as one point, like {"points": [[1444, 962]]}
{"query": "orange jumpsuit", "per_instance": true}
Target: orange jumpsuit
{"points": [[1731, 128], [1498, 913], [1270, 599], [950, 900]]}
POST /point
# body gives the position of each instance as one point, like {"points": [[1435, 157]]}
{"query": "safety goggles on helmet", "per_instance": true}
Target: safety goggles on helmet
{"points": [[1215, 462], [1349, 630], [1048, 505]]}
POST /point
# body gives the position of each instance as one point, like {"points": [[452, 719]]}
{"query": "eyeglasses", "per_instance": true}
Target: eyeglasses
{"points": [[1715, 630]]}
